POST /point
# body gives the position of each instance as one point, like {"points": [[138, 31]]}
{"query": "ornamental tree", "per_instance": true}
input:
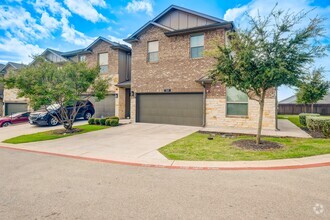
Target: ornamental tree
{"points": [[45, 83], [312, 88], [273, 51]]}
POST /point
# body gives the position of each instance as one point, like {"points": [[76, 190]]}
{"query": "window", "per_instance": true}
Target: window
{"points": [[82, 58], [103, 62], [196, 46], [153, 51], [237, 102]]}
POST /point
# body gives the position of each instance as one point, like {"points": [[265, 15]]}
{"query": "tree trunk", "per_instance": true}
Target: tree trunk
{"points": [[68, 125], [261, 114], [312, 108]]}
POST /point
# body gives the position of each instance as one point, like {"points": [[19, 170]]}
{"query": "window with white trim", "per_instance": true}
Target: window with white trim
{"points": [[153, 51], [82, 58], [103, 62], [237, 102], [196, 46]]}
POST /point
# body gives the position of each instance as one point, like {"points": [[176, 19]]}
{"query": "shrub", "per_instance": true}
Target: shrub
{"points": [[114, 117], [302, 118], [114, 122], [97, 121], [321, 124], [108, 122], [102, 121], [91, 121]]}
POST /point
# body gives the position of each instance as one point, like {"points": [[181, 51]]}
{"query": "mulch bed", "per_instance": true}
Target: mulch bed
{"points": [[251, 145], [314, 134], [63, 131]]}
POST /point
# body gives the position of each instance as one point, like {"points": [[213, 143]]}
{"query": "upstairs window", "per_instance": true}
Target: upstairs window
{"points": [[103, 62], [82, 58], [153, 51], [196, 46], [237, 102]]}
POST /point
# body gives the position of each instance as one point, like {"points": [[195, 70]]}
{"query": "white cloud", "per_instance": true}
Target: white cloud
{"points": [[24, 26], [49, 22], [140, 5], [100, 3], [52, 5], [85, 9], [233, 13], [71, 35], [17, 50]]}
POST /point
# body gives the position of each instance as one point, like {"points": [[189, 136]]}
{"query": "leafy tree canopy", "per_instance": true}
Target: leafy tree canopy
{"points": [[45, 83]]}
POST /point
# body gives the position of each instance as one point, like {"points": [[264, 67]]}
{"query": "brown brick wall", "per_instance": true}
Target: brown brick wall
{"points": [[175, 69], [92, 60]]}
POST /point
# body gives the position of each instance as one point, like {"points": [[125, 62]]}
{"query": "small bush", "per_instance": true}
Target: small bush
{"points": [[91, 121], [321, 124], [97, 121], [114, 122], [108, 122], [102, 121], [302, 118], [114, 117]]}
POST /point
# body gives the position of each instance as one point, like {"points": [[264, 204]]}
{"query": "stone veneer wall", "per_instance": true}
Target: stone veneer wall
{"points": [[216, 110]]}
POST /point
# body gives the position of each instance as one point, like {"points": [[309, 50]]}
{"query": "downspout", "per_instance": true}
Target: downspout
{"points": [[204, 104]]}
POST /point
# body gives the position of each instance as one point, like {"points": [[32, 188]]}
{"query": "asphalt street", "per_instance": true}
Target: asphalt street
{"points": [[37, 186]]}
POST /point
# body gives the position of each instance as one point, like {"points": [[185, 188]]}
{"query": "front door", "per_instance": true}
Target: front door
{"points": [[128, 103]]}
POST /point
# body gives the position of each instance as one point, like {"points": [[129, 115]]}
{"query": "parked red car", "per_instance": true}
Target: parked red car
{"points": [[14, 119]]}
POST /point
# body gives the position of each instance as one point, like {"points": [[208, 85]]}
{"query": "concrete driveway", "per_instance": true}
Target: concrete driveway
{"points": [[129, 142]]}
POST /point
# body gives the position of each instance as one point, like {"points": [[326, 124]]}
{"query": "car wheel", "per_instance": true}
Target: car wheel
{"points": [[53, 121], [87, 115], [6, 124]]}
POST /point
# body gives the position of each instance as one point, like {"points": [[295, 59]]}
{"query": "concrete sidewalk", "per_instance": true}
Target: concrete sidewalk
{"points": [[286, 129]]}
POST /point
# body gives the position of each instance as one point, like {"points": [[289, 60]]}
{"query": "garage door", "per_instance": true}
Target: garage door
{"points": [[11, 108], [105, 107], [177, 109]]}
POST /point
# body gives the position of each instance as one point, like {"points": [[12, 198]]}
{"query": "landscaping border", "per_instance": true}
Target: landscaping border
{"points": [[298, 165]]}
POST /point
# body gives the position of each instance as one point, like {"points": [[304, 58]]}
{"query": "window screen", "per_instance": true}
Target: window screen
{"points": [[196, 46], [237, 102], [153, 51]]}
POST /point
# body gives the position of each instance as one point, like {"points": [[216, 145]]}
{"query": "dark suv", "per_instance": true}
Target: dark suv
{"points": [[44, 117]]}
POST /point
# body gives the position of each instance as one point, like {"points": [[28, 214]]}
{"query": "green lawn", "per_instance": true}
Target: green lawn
{"points": [[293, 118], [50, 135], [196, 147]]}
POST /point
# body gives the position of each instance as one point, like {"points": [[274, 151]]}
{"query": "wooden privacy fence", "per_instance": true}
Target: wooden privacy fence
{"points": [[294, 109]]}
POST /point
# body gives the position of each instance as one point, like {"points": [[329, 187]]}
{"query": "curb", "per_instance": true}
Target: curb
{"points": [[290, 167]]}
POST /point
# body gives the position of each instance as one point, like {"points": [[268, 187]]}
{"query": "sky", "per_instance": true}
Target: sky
{"points": [[28, 27]]}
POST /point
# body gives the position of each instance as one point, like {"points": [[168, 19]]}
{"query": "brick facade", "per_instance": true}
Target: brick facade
{"points": [[175, 70]]}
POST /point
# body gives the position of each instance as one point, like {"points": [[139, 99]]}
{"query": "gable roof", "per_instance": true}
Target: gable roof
{"points": [[16, 66], [2, 66], [188, 11], [114, 45], [134, 36], [293, 100], [67, 54]]}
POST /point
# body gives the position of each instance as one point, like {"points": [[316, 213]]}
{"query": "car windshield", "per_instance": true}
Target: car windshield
{"points": [[53, 107], [15, 115]]}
